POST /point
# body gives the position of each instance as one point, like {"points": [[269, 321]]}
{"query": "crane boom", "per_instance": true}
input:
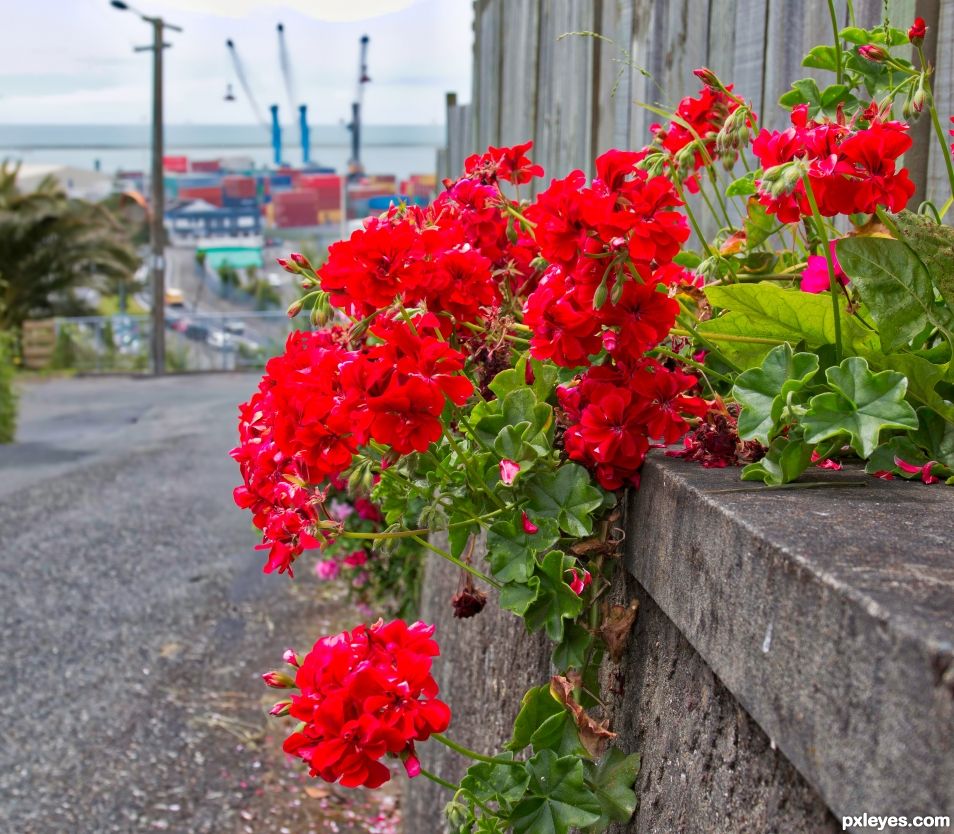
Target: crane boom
{"points": [[243, 80], [287, 75]]}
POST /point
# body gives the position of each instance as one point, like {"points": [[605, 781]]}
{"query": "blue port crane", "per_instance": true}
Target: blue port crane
{"points": [[284, 60]]}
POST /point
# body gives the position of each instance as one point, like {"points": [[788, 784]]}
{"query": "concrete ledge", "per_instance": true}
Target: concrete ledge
{"points": [[827, 613]]}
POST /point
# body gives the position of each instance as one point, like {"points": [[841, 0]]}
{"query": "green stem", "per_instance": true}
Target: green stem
{"points": [[454, 560], [834, 286], [410, 534], [724, 337], [473, 754], [834, 28], [938, 130], [437, 780], [692, 221], [466, 463], [691, 363]]}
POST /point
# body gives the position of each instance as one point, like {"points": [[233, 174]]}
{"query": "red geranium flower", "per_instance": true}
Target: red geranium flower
{"points": [[364, 695]]}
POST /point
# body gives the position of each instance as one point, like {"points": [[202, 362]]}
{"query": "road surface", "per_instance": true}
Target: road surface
{"points": [[135, 621]]}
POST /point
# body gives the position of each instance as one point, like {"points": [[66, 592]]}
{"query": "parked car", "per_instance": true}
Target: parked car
{"points": [[174, 297]]}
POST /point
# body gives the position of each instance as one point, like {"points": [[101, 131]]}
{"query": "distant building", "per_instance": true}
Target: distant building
{"points": [[80, 183], [189, 220]]}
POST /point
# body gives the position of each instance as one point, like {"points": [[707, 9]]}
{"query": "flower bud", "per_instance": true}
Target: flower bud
{"points": [[291, 658], [300, 260], [918, 100], [295, 307], [874, 53], [599, 297], [708, 77], [281, 708], [289, 266], [528, 526], [278, 680]]}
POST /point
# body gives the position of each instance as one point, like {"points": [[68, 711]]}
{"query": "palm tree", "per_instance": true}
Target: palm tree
{"points": [[50, 245]]}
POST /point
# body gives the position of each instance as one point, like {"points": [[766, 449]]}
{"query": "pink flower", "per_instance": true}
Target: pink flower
{"points": [[579, 580], [508, 471], [884, 475], [825, 463], [339, 510], [528, 526], [361, 579], [412, 765], [356, 559], [815, 276], [911, 469], [874, 53], [327, 569]]}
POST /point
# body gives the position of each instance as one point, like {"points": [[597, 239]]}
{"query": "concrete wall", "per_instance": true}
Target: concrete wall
{"points": [[792, 661]]}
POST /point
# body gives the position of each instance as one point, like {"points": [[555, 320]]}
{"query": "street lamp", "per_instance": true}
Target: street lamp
{"points": [[156, 232]]}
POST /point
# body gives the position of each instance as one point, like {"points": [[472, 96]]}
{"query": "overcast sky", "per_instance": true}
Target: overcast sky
{"points": [[71, 61]]}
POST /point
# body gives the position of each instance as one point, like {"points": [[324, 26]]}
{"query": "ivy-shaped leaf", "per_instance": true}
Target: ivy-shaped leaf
{"points": [[895, 286], [861, 405], [519, 596], [557, 797], [568, 496], [936, 436], [510, 550], [500, 783], [555, 601], [560, 734], [785, 460], [536, 706], [612, 780], [762, 392], [570, 652]]}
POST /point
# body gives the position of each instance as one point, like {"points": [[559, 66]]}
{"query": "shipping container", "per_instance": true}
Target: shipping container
{"points": [[175, 164], [238, 185], [209, 166], [298, 207]]}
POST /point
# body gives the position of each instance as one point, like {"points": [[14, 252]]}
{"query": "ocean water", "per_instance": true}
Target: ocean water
{"points": [[386, 149]]}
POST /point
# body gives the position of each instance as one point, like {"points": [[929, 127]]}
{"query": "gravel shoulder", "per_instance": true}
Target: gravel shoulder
{"points": [[135, 622]]}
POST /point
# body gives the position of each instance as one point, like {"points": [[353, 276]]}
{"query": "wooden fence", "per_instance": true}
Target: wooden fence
{"points": [[577, 95]]}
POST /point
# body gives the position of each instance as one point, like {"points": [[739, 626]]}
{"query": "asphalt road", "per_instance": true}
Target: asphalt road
{"points": [[135, 621]]}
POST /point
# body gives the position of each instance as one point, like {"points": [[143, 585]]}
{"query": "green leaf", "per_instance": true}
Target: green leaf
{"points": [[861, 405], [558, 733], [900, 446], [519, 596], [758, 224], [895, 286], [856, 35], [501, 783], [558, 798], [936, 436], [536, 707], [762, 392], [612, 779], [766, 311], [568, 496], [784, 461], [570, 653], [742, 187], [510, 550], [934, 245], [821, 57], [923, 377], [554, 600]]}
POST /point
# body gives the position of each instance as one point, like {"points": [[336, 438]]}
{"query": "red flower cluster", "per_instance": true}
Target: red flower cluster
{"points": [[610, 244], [365, 694], [318, 402], [851, 170], [616, 413], [510, 164], [696, 118]]}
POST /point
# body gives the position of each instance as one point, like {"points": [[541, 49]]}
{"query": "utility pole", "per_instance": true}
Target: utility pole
{"points": [[157, 257]]}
